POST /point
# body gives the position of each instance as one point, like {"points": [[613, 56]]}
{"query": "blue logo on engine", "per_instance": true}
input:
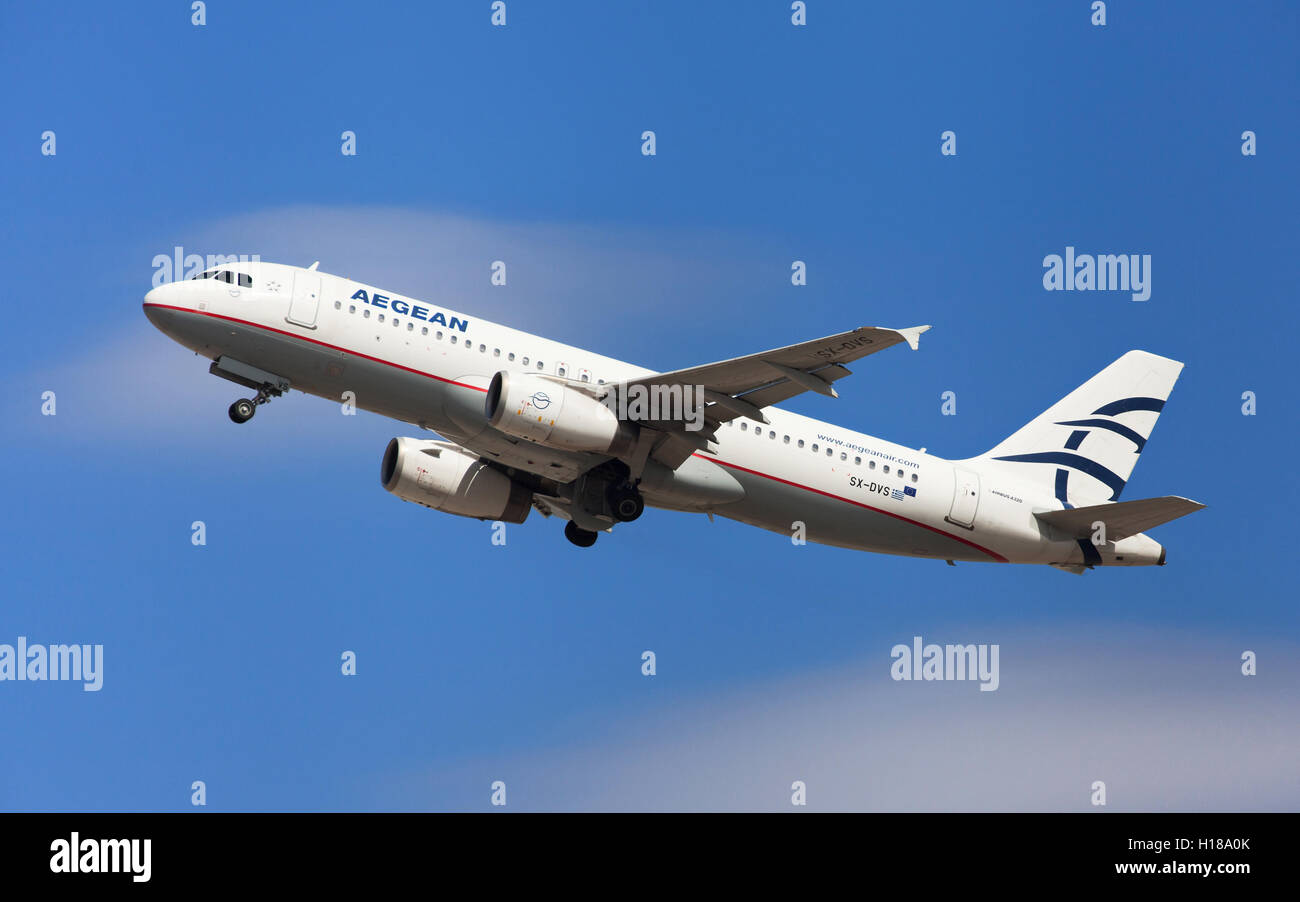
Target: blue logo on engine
{"points": [[541, 400]]}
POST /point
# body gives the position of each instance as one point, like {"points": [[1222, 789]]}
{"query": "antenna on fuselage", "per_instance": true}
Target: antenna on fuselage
{"points": [[312, 268]]}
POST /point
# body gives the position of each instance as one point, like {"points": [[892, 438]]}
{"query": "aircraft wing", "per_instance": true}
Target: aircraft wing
{"points": [[742, 386]]}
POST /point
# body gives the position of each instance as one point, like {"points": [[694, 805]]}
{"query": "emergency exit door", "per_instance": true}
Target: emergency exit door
{"points": [[965, 498]]}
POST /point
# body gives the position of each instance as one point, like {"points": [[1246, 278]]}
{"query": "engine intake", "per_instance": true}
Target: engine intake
{"points": [[550, 413], [441, 476]]}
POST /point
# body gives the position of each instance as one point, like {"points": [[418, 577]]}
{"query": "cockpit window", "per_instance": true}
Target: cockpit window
{"points": [[225, 275]]}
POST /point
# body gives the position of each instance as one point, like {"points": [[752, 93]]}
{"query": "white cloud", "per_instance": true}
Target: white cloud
{"points": [[1167, 724], [563, 281]]}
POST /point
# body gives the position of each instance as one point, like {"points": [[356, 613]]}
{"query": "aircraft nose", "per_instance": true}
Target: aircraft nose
{"points": [[156, 304], [161, 294]]}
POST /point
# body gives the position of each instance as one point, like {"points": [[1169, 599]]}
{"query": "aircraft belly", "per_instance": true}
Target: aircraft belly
{"points": [[776, 506], [696, 485]]}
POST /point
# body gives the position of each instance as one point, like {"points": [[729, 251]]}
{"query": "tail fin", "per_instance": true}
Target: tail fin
{"points": [[1084, 447]]}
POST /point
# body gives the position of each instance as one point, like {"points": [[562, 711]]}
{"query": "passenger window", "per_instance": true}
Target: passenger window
{"points": [[365, 314], [438, 336], [396, 322], [814, 448], [453, 339], [844, 455], [338, 305], [381, 317], [424, 330], [830, 451], [787, 440], [511, 357], [914, 477], [857, 461], [871, 465], [540, 364], [744, 427], [352, 308], [524, 361], [885, 469], [496, 352], [482, 349], [410, 327], [800, 443]]}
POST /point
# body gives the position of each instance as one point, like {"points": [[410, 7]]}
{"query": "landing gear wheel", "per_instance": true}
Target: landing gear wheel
{"points": [[242, 410], [583, 538], [626, 503]]}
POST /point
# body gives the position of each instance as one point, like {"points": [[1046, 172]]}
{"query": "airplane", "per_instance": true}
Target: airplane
{"points": [[528, 423]]}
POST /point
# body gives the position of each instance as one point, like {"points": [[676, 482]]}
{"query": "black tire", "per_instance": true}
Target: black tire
{"points": [[242, 410], [626, 504], [583, 538]]}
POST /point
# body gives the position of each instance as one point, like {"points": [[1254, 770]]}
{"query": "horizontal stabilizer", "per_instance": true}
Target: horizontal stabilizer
{"points": [[1122, 519]]}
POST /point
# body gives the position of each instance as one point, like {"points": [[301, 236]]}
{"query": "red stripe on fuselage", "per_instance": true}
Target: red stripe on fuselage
{"points": [[323, 344], [808, 488]]}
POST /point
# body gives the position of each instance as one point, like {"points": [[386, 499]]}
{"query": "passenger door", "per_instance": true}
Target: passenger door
{"points": [[306, 299]]}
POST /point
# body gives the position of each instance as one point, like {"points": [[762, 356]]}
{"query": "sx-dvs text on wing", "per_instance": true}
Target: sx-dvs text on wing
{"points": [[534, 423]]}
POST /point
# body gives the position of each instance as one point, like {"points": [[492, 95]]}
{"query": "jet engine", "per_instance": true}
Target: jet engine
{"points": [[445, 477], [550, 413]]}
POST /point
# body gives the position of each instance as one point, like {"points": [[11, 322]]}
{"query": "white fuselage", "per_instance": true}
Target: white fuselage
{"points": [[424, 364]]}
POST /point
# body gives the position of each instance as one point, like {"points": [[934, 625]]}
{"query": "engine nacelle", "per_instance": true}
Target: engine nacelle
{"points": [[549, 413], [441, 476]]}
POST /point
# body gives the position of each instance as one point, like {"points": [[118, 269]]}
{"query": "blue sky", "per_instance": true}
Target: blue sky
{"points": [[774, 143]]}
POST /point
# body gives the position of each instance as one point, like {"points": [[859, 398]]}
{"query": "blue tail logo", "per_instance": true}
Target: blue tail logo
{"points": [[1069, 459]]}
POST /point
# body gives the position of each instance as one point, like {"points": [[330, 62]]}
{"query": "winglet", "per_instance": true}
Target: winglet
{"points": [[912, 335]]}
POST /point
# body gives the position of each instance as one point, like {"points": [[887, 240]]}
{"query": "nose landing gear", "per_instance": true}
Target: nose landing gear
{"points": [[268, 386], [242, 410]]}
